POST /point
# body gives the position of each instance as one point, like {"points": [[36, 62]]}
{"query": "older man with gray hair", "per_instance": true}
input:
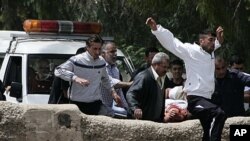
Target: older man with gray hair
{"points": [[114, 109], [146, 95]]}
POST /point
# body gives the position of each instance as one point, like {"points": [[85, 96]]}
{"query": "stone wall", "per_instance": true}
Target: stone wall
{"points": [[66, 123]]}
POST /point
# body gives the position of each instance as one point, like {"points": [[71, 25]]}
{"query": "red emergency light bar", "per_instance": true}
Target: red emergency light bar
{"points": [[57, 26]]}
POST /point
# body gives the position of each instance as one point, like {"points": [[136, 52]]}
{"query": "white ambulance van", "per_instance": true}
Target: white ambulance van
{"points": [[53, 41]]}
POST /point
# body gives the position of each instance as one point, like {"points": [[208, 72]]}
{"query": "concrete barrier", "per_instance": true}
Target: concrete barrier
{"points": [[66, 123]]}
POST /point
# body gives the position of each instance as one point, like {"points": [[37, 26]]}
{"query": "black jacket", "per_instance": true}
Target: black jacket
{"points": [[56, 94], [146, 94], [142, 68], [229, 92]]}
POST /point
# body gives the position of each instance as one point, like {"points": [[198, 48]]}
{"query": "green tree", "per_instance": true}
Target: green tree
{"points": [[14, 12], [124, 19], [234, 16]]}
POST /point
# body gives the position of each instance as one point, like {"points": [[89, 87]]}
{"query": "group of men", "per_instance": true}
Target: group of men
{"points": [[205, 95], [210, 99]]}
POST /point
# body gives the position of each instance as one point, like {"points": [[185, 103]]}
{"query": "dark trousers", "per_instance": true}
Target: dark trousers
{"points": [[91, 108], [211, 116]]}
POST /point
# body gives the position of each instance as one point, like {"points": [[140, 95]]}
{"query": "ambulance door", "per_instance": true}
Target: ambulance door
{"points": [[13, 79]]}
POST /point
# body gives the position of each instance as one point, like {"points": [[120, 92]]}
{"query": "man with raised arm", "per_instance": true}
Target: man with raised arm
{"points": [[200, 83]]}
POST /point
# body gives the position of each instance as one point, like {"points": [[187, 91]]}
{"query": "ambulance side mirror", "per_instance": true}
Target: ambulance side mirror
{"points": [[16, 90]]}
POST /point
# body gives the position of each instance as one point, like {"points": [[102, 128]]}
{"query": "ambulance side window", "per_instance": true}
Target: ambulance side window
{"points": [[14, 70], [40, 74]]}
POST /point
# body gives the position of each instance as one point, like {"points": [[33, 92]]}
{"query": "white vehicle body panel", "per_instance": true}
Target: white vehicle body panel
{"points": [[23, 48]]}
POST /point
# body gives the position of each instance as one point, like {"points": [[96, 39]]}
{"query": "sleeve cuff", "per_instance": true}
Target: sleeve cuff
{"points": [[74, 77], [159, 29], [217, 43], [115, 81]]}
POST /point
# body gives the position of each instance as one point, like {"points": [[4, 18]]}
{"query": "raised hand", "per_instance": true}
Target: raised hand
{"points": [[151, 23], [219, 34]]}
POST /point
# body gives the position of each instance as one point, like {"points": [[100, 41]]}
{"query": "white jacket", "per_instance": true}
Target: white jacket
{"points": [[199, 64]]}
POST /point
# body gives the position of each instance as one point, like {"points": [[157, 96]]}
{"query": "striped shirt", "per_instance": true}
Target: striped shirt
{"points": [[84, 66], [107, 99]]}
